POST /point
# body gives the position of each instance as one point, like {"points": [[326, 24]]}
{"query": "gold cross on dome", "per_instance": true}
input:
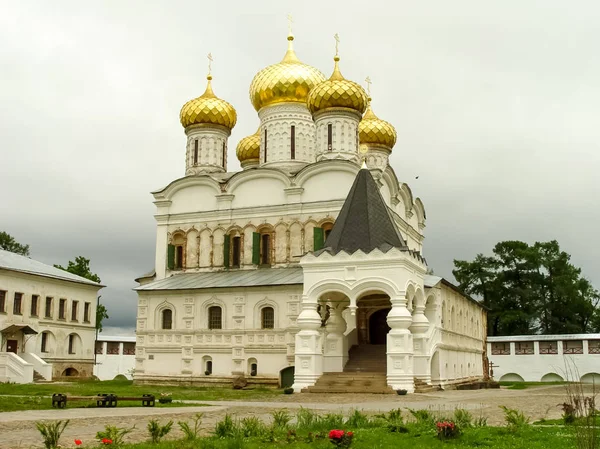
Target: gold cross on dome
{"points": [[337, 43], [210, 60], [290, 21], [368, 81]]}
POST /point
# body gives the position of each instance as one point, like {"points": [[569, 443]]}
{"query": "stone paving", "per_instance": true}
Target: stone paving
{"points": [[18, 428]]}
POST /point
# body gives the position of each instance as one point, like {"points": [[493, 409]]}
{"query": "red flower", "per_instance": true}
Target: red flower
{"points": [[78, 442], [336, 434], [106, 441], [350, 434]]}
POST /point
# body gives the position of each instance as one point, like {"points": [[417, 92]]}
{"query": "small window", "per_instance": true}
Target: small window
{"points": [[99, 349], [215, 318], [48, 309], [196, 152], [35, 299], [128, 348], [293, 142], [74, 307], [17, 304], [44, 342], [167, 319], [2, 301], [112, 348], [72, 344], [86, 312], [327, 227], [254, 369], [267, 318], [265, 249], [265, 145], [62, 306], [236, 246], [178, 257], [329, 137], [209, 368], [224, 155]]}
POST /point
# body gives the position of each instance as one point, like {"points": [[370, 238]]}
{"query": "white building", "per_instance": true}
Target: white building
{"points": [[114, 356], [545, 358], [47, 321], [302, 263]]}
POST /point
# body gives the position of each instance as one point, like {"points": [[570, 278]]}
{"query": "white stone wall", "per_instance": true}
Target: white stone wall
{"points": [[277, 121], [182, 351], [344, 142], [108, 365], [376, 157], [543, 365], [210, 149], [58, 330]]}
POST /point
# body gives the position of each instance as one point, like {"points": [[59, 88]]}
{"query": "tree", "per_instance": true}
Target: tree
{"points": [[530, 289], [81, 267], [101, 314], [8, 243]]}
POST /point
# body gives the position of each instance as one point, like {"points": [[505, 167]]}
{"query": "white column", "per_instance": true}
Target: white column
{"points": [[308, 351], [400, 373], [419, 328], [335, 350]]}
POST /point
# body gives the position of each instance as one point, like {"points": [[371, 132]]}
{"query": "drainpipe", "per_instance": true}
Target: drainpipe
{"points": [[96, 338]]}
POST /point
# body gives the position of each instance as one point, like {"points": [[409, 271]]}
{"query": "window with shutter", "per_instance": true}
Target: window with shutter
{"points": [[318, 239], [256, 248], [171, 257], [226, 248]]}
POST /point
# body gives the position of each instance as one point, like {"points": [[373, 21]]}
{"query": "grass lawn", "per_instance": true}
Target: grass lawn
{"points": [[486, 437], [38, 395]]}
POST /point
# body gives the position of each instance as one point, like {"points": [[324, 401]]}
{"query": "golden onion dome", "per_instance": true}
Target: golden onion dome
{"points": [[374, 131], [337, 92], [287, 81], [208, 109], [249, 147]]}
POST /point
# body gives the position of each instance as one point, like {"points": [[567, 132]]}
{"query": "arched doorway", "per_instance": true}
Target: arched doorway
{"points": [[286, 377], [435, 367], [70, 372], [378, 327]]}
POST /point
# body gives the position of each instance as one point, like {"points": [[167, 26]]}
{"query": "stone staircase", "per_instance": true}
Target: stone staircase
{"points": [[38, 378], [422, 387], [367, 358], [351, 383]]}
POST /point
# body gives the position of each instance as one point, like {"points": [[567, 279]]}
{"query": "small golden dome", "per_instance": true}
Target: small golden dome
{"points": [[287, 81], [337, 92], [249, 147], [208, 109], [374, 131]]}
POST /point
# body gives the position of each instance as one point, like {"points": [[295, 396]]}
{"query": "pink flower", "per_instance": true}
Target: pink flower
{"points": [[78, 442]]}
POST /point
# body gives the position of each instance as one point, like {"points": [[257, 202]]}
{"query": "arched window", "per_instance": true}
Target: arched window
{"points": [[267, 318], [327, 227], [208, 371], [215, 317], [329, 137], [167, 319]]}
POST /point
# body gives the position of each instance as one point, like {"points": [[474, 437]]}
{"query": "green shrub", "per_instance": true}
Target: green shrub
{"points": [[114, 433], [252, 427], [226, 427], [306, 419], [51, 432], [515, 419], [422, 417], [463, 418], [281, 419], [156, 431], [358, 420], [191, 433]]}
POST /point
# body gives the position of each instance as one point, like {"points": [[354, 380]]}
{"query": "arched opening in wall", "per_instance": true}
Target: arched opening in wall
{"points": [[178, 241], [267, 318], [378, 327], [286, 377], [591, 378], [435, 367], [551, 377], [215, 317], [430, 311], [73, 344], [327, 227], [252, 367], [167, 319], [70, 372], [511, 377], [208, 365], [262, 246]]}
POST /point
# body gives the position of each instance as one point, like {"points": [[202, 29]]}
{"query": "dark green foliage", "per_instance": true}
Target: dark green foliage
{"points": [[463, 418], [81, 267], [226, 427], [158, 431], [531, 289], [515, 419], [8, 243], [51, 432], [252, 427], [114, 433], [191, 433], [281, 419]]}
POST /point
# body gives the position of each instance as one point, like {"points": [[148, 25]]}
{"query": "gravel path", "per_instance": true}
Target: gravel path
{"points": [[18, 428]]}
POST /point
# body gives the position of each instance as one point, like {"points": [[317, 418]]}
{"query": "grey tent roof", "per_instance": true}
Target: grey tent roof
{"points": [[233, 278], [16, 262], [364, 222]]}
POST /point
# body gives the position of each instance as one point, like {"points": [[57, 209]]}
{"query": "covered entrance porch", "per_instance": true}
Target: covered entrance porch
{"points": [[18, 362]]}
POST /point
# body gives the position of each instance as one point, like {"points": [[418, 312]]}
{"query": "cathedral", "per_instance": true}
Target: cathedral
{"points": [[305, 265]]}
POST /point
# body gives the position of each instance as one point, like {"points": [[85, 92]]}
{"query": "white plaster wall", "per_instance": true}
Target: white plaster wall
{"points": [[108, 366], [344, 135], [258, 192], [194, 198], [180, 351], [59, 330], [327, 185]]}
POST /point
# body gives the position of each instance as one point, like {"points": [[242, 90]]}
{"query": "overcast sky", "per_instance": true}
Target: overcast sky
{"points": [[496, 105]]}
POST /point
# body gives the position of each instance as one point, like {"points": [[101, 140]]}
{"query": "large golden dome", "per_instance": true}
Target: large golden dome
{"points": [[249, 147], [337, 92], [208, 109], [374, 131], [287, 81]]}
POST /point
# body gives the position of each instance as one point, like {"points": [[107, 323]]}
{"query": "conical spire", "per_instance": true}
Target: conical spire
{"points": [[208, 93], [364, 222]]}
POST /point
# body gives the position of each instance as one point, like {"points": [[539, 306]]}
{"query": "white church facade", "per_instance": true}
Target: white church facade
{"points": [[308, 260]]}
